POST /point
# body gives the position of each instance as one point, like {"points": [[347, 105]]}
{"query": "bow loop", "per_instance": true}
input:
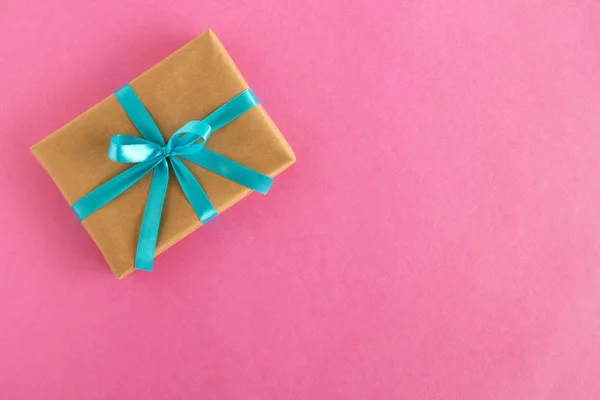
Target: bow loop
{"points": [[131, 149], [190, 139]]}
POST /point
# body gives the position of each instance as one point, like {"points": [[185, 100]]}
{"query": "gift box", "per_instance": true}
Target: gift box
{"points": [[183, 94]]}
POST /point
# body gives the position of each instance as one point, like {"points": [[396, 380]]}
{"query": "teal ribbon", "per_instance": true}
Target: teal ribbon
{"points": [[151, 153]]}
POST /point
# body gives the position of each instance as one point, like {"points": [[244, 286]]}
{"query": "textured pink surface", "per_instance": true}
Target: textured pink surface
{"points": [[439, 237]]}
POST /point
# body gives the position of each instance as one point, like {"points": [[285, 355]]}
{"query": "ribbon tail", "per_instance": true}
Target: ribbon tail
{"points": [[196, 196], [108, 191], [146, 246], [231, 170]]}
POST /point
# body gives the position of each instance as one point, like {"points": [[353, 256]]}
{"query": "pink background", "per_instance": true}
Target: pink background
{"points": [[439, 237]]}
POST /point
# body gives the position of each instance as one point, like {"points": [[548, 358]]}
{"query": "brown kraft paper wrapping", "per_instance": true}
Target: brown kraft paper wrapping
{"points": [[187, 85]]}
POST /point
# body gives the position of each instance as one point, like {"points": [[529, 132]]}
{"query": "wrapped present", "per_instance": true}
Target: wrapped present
{"points": [[166, 153]]}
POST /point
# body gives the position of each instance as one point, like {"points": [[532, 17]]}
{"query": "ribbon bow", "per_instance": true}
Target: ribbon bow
{"points": [[150, 153]]}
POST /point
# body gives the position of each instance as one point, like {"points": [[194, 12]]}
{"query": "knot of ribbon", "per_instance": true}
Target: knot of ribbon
{"points": [[151, 153], [186, 141]]}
